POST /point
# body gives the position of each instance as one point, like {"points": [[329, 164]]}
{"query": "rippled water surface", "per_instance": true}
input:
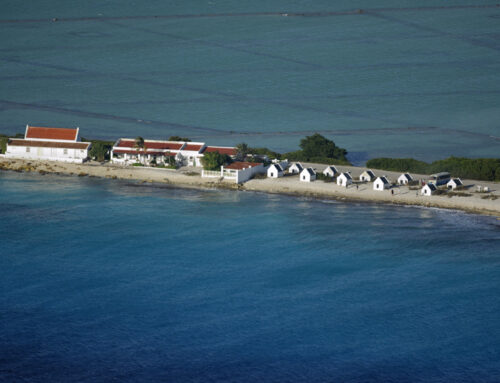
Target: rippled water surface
{"points": [[109, 281], [399, 78]]}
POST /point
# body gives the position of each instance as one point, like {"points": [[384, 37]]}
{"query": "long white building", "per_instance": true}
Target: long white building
{"points": [[53, 144], [125, 151]]}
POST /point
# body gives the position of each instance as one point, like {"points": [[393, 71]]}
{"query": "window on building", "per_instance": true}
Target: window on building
{"points": [[28, 149], [65, 151]]}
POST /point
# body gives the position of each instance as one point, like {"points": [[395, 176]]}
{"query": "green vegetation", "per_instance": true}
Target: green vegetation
{"points": [[137, 164], [490, 196], [214, 160], [3, 143], [100, 150], [315, 148], [242, 150], [319, 149], [265, 152], [4, 139], [259, 176], [178, 138], [457, 194], [399, 165], [161, 166], [324, 178], [484, 169], [139, 143]]}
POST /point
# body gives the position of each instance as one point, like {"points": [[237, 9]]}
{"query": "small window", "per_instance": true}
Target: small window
{"points": [[65, 151], [28, 149]]}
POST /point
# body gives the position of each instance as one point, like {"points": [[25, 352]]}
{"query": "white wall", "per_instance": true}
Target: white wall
{"points": [[243, 175], [51, 154]]}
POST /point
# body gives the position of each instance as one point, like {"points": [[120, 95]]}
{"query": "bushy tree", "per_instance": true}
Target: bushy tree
{"points": [[214, 160], [3, 144], [178, 138], [99, 150], [319, 146]]}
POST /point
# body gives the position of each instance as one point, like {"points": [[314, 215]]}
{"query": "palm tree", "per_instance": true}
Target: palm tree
{"points": [[139, 145], [242, 151]]}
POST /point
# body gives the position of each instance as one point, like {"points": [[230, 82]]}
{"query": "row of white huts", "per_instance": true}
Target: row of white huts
{"points": [[345, 179]]}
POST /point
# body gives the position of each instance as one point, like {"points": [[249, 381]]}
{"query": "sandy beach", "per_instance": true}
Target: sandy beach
{"points": [[480, 203]]}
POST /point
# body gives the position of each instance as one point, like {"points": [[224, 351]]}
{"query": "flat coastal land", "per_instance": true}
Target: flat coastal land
{"points": [[467, 199]]}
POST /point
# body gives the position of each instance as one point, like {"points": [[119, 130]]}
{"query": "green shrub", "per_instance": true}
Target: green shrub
{"points": [[398, 165], [214, 160], [484, 169], [3, 144], [178, 138], [265, 152], [318, 149], [324, 178], [259, 176]]}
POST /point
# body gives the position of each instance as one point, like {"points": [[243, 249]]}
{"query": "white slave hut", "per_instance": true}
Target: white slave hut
{"points": [[367, 175], [381, 183], [405, 179], [307, 175], [344, 179], [295, 168], [428, 190], [454, 183], [275, 171], [330, 171]]}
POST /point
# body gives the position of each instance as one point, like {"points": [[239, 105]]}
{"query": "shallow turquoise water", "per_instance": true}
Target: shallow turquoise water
{"points": [[111, 281], [399, 79]]}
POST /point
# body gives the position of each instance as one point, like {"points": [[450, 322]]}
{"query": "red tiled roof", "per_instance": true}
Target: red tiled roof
{"points": [[49, 144], [154, 153], [221, 150], [192, 147], [151, 144], [242, 165], [51, 133], [163, 145]]}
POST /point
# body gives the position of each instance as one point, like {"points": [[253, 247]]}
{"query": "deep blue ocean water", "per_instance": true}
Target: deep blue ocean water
{"points": [[403, 78], [106, 280]]}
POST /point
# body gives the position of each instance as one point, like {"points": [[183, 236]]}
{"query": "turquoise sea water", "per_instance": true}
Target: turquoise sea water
{"points": [[111, 281], [401, 78]]}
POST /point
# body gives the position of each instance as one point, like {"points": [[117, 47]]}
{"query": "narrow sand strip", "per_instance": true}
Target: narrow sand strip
{"points": [[481, 203]]}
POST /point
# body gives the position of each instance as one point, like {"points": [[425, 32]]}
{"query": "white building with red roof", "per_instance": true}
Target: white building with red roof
{"points": [[53, 144], [191, 153], [242, 171], [125, 151]]}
